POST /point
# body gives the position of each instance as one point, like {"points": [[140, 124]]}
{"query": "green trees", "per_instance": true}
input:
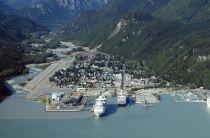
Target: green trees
{"points": [[169, 36]]}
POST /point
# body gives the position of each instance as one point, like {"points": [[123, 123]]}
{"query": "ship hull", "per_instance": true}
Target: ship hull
{"points": [[99, 108], [99, 111], [122, 101], [208, 103]]}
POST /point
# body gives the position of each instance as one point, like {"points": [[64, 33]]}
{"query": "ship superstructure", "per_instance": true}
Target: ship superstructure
{"points": [[100, 106], [122, 93], [208, 99]]}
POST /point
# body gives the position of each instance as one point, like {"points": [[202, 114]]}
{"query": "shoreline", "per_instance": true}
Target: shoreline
{"points": [[40, 91]]}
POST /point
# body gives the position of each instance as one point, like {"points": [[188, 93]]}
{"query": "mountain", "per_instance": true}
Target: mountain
{"points": [[169, 36], [4, 8], [18, 4], [56, 12], [188, 10], [13, 30]]}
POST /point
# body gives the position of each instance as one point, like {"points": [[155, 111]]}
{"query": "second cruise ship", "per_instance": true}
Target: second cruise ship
{"points": [[122, 97], [122, 93]]}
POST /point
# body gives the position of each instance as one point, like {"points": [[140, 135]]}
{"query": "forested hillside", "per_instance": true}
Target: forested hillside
{"points": [[55, 13], [13, 30], [170, 36]]}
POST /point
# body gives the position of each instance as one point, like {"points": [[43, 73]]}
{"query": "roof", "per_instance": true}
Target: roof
{"points": [[76, 95]]}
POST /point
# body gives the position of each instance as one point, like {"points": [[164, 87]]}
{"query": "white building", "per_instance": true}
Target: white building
{"points": [[57, 96], [80, 89], [140, 82]]}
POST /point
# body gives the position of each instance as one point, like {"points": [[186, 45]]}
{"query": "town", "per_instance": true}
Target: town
{"points": [[79, 77]]}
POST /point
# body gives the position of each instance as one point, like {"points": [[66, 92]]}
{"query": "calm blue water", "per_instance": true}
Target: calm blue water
{"points": [[22, 118]]}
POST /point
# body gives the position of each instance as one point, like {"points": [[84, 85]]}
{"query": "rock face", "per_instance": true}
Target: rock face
{"points": [[75, 5], [18, 4], [80, 4], [71, 4], [55, 12]]}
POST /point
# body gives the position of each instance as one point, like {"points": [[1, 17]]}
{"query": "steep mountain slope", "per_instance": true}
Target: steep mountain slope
{"points": [[57, 12], [92, 27], [18, 4], [176, 47], [5, 9], [187, 10]]}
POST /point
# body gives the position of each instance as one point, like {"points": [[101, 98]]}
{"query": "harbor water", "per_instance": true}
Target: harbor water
{"points": [[23, 118]]}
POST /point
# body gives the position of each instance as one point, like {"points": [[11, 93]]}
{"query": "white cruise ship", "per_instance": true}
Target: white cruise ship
{"points": [[122, 93], [122, 98], [99, 108], [208, 100]]}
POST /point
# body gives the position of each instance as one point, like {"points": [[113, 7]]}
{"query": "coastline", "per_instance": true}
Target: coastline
{"points": [[50, 89]]}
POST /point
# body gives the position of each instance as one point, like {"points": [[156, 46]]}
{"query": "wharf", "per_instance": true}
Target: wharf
{"points": [[147, 97], [74, 109], [189, 101], [54, 108]]}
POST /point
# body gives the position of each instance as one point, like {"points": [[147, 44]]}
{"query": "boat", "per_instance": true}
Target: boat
{"points": [[122, 98], [99, 108], [122, 93], [208, 100]]}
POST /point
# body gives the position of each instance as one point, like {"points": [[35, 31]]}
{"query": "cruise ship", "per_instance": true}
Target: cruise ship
{"points": [[122, 93], [208, 100], [99, 108]]}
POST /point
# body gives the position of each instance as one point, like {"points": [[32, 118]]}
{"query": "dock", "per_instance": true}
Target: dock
{"points": [[75, 109], [53, 108], [149, 98]]}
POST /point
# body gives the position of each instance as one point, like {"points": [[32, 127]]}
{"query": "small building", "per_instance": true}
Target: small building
{"points": [[74, 99], [80, 89], [144, 81], [118, 80], [49, 51], [57, 96]]}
